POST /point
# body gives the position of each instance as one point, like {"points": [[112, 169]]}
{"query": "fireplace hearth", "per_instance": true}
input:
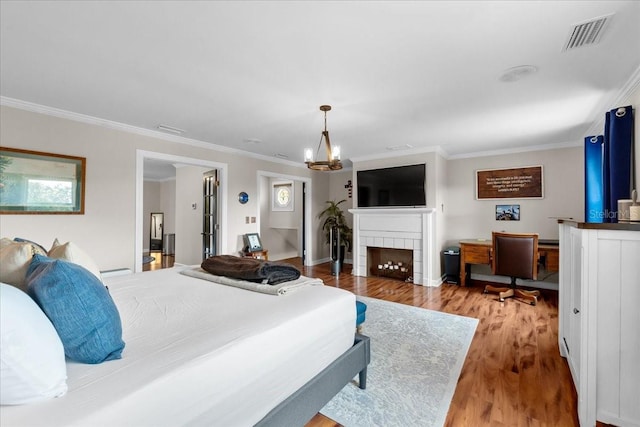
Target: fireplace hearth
{"points": [[410, 229]]}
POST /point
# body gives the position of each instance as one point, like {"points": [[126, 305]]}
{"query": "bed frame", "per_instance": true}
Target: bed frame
{"points": [[302, 405]]}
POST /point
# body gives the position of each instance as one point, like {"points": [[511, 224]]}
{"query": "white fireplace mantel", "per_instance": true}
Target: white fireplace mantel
{"points": [[396, 228]]}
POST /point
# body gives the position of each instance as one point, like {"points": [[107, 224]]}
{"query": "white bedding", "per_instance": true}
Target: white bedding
{"points": [[199, 353]]}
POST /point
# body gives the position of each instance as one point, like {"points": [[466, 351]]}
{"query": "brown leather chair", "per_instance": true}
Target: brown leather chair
{"points": [[514, 255]]}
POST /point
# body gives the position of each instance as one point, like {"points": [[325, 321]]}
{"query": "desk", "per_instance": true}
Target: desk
{"points": [[479, 252]]}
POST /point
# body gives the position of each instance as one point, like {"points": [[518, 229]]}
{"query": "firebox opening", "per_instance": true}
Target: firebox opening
{"points": [[390, 263]]}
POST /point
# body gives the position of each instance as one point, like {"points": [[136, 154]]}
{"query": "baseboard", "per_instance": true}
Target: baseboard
{"points": [[325, 260]]}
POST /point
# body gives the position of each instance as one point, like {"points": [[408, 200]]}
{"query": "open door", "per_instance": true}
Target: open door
{"points": [[210, 214], [304, 223]]}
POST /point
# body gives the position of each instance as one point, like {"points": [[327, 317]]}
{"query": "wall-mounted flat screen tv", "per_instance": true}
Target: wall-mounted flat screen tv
{"points": [[400, 186]]}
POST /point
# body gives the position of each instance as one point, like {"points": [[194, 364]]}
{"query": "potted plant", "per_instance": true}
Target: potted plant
{"points": [[334, 219]]}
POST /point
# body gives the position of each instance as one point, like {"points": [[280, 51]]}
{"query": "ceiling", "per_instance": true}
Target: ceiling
{"points": [[402, 77]]}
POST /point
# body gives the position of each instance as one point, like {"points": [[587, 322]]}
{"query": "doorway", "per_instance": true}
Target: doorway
{"points": [[268, 225], [188, 240], [209, 214]]}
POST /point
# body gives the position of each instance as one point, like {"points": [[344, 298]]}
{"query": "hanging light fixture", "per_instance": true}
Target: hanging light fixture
{"points": [[333, 155]]}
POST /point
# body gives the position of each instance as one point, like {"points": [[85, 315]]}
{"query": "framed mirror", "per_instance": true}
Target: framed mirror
{"points": [[157, 221], [33, 182]]}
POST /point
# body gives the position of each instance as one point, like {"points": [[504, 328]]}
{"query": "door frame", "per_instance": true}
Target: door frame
{"points": [[307, 206], [222, 168]]}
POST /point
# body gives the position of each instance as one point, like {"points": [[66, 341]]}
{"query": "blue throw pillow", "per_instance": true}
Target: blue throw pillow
{"points": [[80, 308]]}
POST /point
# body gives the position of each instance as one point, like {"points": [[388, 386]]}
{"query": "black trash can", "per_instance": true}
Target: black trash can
{"points": [[452, 264]]}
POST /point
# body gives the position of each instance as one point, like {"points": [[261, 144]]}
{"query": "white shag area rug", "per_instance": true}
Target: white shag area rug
{"points": [[416, 359]]}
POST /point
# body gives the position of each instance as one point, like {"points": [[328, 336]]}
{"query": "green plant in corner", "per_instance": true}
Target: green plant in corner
{"points": [[334, 217]]}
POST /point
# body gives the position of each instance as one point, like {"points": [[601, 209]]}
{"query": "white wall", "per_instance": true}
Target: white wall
{"points": [[451, 191], [337, 192], [320, 189], [168, 204], [189, 220], [563, 181], [152, 202], [634, 99], [107, 230], [280, 231], [159, 196], [441, 223]]}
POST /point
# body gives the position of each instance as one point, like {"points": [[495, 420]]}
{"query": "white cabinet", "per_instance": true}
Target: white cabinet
{"points": [[599, 319]]}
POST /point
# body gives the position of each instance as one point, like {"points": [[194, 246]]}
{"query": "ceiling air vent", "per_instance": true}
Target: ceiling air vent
{"points": [[587, 33]]}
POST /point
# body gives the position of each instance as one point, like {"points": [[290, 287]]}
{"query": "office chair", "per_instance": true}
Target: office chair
{"points": [[514, 255]]}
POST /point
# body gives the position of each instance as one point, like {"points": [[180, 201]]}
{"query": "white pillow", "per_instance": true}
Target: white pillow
{"points": [[5, 241], [32, 363], [15, 258], [71, 252]]}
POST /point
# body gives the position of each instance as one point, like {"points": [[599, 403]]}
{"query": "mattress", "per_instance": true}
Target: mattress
{"points": [[199, 353]]}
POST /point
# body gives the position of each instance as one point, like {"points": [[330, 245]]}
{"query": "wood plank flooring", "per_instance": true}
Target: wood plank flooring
{"points": [[513, 374], [159, 261]]}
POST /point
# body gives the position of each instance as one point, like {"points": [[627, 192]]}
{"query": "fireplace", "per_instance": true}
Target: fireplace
{"points": [[390, 263], [408, 229]]}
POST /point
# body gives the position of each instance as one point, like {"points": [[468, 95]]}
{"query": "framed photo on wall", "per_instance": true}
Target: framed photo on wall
{"points": [[507, 212], [33, 182], [510, 183]]}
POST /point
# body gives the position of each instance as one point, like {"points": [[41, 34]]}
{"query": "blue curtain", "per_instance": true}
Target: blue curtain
{"points": [[593, 179], [617, 159]]}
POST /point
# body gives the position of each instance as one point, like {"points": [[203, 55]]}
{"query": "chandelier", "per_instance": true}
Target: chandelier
{"points": [[333, 155]]}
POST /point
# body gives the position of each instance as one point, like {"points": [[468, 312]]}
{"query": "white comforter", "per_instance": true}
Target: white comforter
{"points": [[198, 353]]}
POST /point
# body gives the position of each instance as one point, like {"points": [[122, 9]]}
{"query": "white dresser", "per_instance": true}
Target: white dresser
{"points": [[599, 319]]}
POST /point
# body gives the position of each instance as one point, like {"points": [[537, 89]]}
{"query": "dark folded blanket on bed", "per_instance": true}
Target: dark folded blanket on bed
{"points": [[250, 269]]}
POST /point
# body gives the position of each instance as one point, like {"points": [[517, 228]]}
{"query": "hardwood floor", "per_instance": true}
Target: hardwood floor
{"points": [[159, 261], [513, 374]]}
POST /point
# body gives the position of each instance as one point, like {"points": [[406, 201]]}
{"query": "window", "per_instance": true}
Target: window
{"points": [[282, 196]]}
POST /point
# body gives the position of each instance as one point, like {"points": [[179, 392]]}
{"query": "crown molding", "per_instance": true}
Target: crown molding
{"points": [[622, 97], [506, 151], [160, 180], [401, 153], [83, 118], [597, 124]]}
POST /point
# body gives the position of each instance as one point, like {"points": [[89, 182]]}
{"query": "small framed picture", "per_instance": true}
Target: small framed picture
{"points": [[507, 212], [252, 242]]}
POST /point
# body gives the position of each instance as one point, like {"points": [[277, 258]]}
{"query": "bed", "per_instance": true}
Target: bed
{"points": [[200, 353]]}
